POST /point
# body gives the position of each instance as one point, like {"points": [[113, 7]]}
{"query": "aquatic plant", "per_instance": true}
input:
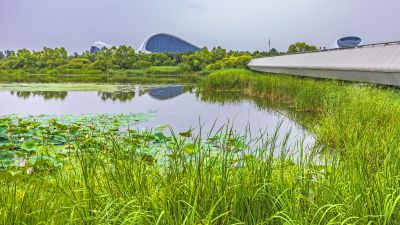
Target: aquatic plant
{"points": [[358, 124], [101, 171]]}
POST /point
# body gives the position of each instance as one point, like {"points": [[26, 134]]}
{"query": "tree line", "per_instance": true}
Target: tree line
{"points": [[126, 58]]}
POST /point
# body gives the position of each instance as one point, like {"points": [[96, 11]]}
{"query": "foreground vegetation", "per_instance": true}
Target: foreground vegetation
{"points": [[358, 124], [100, 170]]}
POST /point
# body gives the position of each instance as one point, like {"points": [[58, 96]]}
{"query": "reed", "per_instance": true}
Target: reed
{"points": [[357, 123]]}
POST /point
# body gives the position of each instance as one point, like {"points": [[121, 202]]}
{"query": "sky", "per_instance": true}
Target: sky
{"points": [[232, 24]]}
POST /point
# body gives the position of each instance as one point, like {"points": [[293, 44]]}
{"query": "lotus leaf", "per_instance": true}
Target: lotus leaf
{"points": [[6, 159], [29, 146], [187, 133], [190, 149]]}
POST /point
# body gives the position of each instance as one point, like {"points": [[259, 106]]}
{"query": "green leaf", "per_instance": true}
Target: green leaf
{"points": [[160, 137], [29, 146], [6, 146], [190, 149], [4, 155], [3, 130], [4, 139], [187, 133], [6, 159], [58, 140], [4, 123], [44, 161]]}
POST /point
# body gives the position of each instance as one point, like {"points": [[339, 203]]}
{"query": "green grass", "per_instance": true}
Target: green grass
{"points": [[154, 74], [153, 70], [102, 78], [359, 124], [346, 114], [87, 171], [114, 177]]}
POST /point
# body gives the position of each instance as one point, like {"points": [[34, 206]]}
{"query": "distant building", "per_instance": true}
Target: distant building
{"points": [[9, 53], [348, 42], [167, 43], [97, 46]]}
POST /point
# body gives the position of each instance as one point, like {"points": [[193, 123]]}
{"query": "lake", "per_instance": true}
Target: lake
{"points": [[181, 107]]}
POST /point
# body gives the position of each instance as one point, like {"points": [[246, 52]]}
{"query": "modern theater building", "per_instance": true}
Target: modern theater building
{"points": [[156, 43], [166, 43], [97, 46]]}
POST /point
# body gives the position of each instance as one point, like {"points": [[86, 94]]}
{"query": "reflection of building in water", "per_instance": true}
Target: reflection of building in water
{"points": [[124, 96], [163, 93], [47, 95]]}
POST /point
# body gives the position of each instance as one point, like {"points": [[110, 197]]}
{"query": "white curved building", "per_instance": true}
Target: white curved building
{"points": [[376, 63], [97, 46], [166, 43]]}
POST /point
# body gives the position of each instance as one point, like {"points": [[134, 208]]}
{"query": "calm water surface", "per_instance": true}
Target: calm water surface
{"points": [[177, 106]]}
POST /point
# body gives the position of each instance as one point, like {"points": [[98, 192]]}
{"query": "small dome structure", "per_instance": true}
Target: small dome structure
{"points": [[97, 46], [348, 42]]}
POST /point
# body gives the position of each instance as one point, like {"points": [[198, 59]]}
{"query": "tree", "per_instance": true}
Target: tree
{"points": [[233, 61], [301, 47], [52, 58], [25, 59], [123, 57], [9, 54], [77, 63], [103, 59], [273, 52]]}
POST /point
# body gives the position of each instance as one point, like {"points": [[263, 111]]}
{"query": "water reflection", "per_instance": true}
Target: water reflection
{"points": [[126, 94], [181, 107], [117, 96], [236, 97], [47, 95], [163, 93]]}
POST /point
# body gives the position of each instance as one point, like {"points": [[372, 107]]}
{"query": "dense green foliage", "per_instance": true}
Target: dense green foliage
{"points": [[301, 47], [158, 74], [57, 61]]}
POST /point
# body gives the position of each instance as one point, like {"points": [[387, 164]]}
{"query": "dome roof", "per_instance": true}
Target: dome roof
{"points": [[348, 42], [97, 46], [166, 43]]}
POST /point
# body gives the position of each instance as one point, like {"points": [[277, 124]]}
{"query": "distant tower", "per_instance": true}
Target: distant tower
{"points": [[269, 44]]}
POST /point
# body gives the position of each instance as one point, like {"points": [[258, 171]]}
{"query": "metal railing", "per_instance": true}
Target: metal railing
{"points": [[338, 49]]}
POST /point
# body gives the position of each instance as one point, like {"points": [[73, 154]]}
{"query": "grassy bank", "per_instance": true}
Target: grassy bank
{"points": [[155, 74], [100, 78], [153, 70], [359, 124]]}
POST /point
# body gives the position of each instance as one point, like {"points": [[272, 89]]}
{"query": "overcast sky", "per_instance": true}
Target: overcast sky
{"points": [[232, 24]]}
